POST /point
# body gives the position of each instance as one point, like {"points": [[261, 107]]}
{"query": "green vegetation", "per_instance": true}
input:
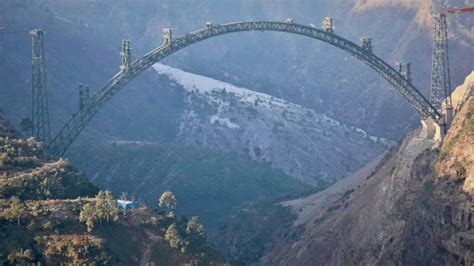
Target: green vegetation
{"points": [[48, 231], [17, 153], [48, 215], [27, 172], [103, 207], [187, 236], [16, 210], [173, 236], [169, 200], [88, 215], [73, 249]]}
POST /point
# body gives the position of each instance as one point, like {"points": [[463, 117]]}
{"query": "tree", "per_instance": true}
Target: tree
{"points": [[36, 209], [88, 215], [105, 206], [17, 209], [196, 237], [173, 236], [101, 206], [112, 210], [195, 227], [169, 200], [21, 257]]}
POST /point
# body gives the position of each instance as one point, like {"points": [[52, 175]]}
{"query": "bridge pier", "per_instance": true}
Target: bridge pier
{"points": [[126, 55], [448, 116], [432, 130], [167, 36], [366, 44], [437, 130], [428, 129]]}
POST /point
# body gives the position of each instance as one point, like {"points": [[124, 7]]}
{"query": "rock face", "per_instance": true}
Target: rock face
{"points": [[304, 143], [458, 152], [414, 207]]}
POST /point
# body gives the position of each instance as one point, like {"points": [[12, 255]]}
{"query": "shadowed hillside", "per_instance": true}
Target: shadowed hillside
{"points": [[45, 205]]}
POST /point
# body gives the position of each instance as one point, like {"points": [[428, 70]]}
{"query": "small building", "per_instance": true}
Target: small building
{"points": [[128, 204]]}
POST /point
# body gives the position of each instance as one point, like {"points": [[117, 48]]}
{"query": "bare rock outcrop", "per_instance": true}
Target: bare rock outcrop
{"points": [[415, 207]]}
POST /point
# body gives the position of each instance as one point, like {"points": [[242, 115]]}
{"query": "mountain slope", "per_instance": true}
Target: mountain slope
{"points": [[209, 183], [414, 207], [43, 201], [305, 144]]}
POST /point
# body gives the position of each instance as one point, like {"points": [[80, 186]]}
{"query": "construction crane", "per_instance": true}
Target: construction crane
{"points": [[440, 76]]}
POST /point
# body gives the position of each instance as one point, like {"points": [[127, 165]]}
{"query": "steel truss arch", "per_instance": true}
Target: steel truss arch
{"points": [[80, 119]]}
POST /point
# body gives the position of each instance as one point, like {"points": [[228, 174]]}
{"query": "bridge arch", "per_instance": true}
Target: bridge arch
{"points": [[129, 70]]}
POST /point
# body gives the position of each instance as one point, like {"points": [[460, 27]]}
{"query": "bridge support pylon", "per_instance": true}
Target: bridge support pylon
{"points": [[126, 55], [432, 130], [405, 72], [167, 36], [40, 110]]}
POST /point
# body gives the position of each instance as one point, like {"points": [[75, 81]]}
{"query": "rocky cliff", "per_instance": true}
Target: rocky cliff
{"points": [[413, 207]]}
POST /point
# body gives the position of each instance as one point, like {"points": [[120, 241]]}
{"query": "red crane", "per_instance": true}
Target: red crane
{"points": [[459, 9]]}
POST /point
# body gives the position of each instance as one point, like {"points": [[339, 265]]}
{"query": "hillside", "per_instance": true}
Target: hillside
{"points": [[209, 183], [43, 201], [224, 116], [413, 207]]}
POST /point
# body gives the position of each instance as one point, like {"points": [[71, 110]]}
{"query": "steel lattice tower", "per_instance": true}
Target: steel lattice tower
{"points": [[40, 113], [440, 79]]}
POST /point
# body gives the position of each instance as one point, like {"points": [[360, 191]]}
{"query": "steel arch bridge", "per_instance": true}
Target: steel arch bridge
{"points": [[129, 70]]}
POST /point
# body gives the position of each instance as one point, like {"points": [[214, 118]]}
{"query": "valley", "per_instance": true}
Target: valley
{"points": [[236, 139]]}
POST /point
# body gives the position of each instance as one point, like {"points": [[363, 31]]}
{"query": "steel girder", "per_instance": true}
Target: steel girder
{"points": [[76, 124]]}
